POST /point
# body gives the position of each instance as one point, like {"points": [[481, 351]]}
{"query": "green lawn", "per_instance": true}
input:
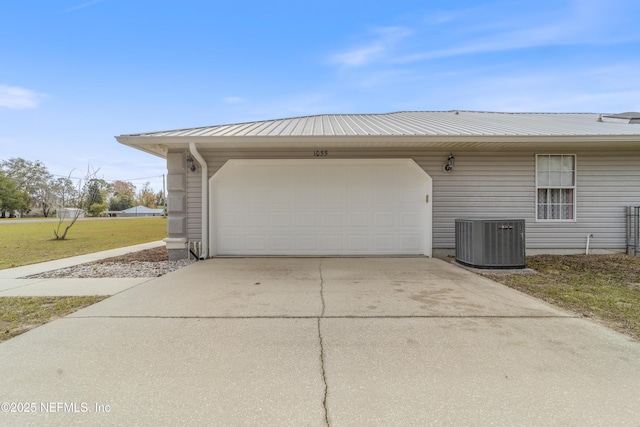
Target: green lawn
{"points": [[20, 314], [603, 287], [32, 242]]}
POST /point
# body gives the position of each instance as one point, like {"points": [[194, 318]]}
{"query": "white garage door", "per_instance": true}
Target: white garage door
{"points": [[320, 207]]}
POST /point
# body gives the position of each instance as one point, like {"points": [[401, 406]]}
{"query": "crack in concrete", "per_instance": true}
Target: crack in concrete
{"points": [[321, 289], [324, 375], [322, 367]]}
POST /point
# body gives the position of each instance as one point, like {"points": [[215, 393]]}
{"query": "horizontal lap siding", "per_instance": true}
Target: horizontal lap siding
{"points": [[503, 185], [606, 184], [489, 185], [482, 185], [194, 204]]}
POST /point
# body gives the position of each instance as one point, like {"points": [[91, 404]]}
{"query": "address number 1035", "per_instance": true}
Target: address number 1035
{"points": [[320, 153]]}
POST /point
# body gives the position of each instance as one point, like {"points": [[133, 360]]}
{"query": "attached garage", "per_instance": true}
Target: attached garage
{"points": [[320, 207], [394, 184]]}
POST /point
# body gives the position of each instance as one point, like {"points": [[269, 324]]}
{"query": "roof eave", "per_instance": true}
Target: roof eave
{"points": [[160, 146]]}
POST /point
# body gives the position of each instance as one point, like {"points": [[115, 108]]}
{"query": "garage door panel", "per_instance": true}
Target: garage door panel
{"points": [[233, 243], [231, 219], [279, 219], [332, 196], [385, 196], [383, 243], [358, 243], [279, 198], [332, 220], [307, 220], [358, 219], [256, 220], [304, 197], [410, 219], [256, 243], [281, 244], [409, 243], [384, 219], [328, 207], [306, 243], [333, 243]]}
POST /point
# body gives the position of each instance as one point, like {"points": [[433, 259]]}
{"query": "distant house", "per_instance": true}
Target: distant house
{"points": [[140, 211], [384, 184], [69, 213]]}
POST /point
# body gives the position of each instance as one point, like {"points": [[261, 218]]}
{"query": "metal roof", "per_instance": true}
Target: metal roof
{"points": [[447, 130], [419, 123]]}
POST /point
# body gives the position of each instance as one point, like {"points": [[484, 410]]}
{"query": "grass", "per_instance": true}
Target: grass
{"points": [[603, 287], [32, 242], [20, 314]]}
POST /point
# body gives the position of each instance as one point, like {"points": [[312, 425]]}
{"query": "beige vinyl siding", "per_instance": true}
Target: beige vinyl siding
{"points": [[489, 185]]}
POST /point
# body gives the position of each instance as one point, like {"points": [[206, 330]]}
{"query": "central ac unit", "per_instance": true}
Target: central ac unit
{"points": [[490, 243]]}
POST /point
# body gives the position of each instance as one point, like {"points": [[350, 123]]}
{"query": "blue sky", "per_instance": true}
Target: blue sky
{"points": [[75, 73]]}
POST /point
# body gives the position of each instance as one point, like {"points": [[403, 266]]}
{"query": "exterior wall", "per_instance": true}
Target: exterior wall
{"points": [[484, 184], [176, 206], [194, 204]]}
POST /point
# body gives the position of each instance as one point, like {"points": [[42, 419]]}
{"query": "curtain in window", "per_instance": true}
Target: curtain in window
{"points": [[555, 203]]}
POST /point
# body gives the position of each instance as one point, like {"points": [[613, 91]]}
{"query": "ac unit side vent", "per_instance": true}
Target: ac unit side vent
{"points": [[490, 243]]}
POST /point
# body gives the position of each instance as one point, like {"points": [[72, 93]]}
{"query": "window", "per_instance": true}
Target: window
{"points": [[556, 187]]}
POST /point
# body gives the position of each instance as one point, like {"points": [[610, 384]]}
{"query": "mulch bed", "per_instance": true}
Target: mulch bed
{"points": [[150, 255]]}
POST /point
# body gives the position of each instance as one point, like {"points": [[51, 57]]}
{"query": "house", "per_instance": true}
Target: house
{"points": [[140, 211], [70, 213], [385, 184]]}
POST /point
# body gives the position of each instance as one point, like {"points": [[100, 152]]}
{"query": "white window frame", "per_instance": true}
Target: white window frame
{"points": [[560, 187]]}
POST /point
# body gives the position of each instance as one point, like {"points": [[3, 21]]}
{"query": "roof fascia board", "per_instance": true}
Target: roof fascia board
{"points": [[160, 146], [410, 140]]}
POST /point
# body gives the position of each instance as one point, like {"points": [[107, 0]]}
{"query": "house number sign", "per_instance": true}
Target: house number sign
{"points": [[320, 153]]}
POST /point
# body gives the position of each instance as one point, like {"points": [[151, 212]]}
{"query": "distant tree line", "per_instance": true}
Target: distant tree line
{"points": [[27, 187]]}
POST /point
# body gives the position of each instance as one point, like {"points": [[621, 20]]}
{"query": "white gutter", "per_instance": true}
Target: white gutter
{"points": [[205, 199]]}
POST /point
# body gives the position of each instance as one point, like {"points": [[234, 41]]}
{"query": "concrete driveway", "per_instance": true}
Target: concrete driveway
{"points": [[327, 341]]}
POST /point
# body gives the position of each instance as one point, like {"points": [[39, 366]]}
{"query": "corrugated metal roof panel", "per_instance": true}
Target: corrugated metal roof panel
{"points": [[427, 123]]}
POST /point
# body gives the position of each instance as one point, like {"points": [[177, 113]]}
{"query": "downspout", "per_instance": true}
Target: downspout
{"points": [[205, 199]]}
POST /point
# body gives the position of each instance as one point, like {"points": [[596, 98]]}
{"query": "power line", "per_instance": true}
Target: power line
{"points": [[111, 180], [139, 179]]}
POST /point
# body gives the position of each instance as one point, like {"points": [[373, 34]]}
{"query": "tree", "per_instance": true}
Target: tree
{"points": [[64, 191], [96, 209], [12, 198], [99, 190], [124, 194], [160, 202], [146, 196], [87, 197], [35, 179]]}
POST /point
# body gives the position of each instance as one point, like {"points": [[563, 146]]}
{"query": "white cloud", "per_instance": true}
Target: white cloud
{"points": [[575, 23], [553, 89], [385, 39], [495, 27], [18, 98]]}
